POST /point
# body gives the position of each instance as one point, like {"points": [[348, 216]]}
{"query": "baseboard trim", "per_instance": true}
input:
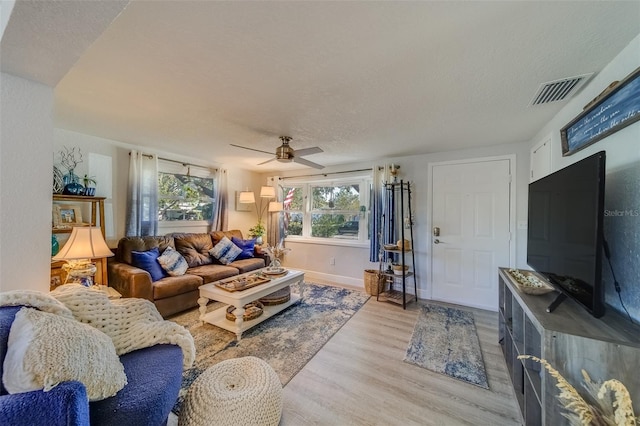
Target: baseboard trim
{"points": [[321, 278]]}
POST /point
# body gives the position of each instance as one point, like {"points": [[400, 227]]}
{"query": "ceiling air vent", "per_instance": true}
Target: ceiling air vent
{"points": [[558, 90]]}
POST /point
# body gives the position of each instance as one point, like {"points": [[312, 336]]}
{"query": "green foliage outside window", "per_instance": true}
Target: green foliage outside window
{"points": [[334, 211], [183, 197]]}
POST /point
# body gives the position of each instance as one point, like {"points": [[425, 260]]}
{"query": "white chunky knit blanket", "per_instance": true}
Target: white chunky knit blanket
{"points": [[130, 323]]}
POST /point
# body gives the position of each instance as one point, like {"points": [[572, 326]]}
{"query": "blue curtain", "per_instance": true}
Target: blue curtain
{"points": [[142, 195], [378, 207]]}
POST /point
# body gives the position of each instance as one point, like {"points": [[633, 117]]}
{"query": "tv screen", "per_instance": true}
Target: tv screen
{"points": [[565, 238]]}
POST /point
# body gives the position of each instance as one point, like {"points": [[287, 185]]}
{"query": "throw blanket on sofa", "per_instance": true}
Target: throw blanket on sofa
{"points": [[130, 323]]}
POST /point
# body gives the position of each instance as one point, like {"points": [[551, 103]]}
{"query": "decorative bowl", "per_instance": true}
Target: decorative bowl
{"points": [[397, 269], [528, 283]]}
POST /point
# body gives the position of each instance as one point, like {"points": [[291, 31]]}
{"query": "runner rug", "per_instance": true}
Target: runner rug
{"points": [[445, 340], [286, 341]]}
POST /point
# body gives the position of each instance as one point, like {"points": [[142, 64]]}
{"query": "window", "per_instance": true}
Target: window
{"points": [[184, 197], [335, 210]]}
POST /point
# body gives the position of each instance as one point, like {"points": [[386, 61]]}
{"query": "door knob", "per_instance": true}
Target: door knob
{"points": [[436, 241]]}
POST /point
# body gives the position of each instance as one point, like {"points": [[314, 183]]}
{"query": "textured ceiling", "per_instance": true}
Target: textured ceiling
{"points": [[362, 80]]}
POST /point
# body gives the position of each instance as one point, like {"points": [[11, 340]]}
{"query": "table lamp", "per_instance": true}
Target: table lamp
{"points": [[84, 244]]}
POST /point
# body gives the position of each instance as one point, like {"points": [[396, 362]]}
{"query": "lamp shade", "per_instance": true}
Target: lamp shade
{"points": [[247, 197], [84, 243], [267, 192], [275, 206]]}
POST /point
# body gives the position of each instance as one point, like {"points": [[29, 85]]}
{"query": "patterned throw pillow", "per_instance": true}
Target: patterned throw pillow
{"points": [[225, 251], [148, 260], [173, 262], [247, 247]]}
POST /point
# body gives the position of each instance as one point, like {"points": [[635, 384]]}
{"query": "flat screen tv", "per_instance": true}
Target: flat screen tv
{"points": [[565, 238]]}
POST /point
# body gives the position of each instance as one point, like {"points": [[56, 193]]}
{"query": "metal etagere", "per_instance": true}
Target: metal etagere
{"points": [[398, 206]]}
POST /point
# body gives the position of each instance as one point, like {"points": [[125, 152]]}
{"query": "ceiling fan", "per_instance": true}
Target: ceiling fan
{"points": [[285, 154]]}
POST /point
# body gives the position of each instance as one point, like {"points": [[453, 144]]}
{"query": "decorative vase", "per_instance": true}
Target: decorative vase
{"points": [[259, 240], [71, 184], [55, 246], [275, 263]]}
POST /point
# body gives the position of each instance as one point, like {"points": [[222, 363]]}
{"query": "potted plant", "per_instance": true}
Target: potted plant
{"points": [[257, 232], [89, 190]]}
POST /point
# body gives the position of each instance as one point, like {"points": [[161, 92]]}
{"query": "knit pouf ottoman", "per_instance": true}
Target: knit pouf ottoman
{"points": [[241, 391]]}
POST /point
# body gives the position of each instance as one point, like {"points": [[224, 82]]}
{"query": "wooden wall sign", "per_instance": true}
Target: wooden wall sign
{"points": [[616, 110]]}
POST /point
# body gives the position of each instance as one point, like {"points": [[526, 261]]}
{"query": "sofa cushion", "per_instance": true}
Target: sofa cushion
{"points": [[43, 352], [218, 235], [248, 265], [194, 247], [210, 273], [173, 262], [225, 251], [247, 246], [172, 286], [154, 376], [148, 260], [127, 244]]}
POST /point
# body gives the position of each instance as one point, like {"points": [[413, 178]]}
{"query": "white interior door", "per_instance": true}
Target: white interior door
{"points": [[470, 206]]}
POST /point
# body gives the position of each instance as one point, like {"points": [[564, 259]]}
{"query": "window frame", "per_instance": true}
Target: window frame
{"points": [[364, 182]]}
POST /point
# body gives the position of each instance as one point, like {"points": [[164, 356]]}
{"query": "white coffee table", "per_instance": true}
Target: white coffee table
{"points": [[239, 299]]}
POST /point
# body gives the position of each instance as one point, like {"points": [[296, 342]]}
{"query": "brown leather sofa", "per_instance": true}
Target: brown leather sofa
{"points": [[175, 294]]}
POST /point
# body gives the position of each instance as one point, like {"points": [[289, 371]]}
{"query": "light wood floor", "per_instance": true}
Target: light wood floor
{"points": [[359, 378]]}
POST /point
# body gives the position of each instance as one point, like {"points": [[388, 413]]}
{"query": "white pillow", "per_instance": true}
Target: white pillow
{"points": [[173, 262], [225, 251], [46, 349]]}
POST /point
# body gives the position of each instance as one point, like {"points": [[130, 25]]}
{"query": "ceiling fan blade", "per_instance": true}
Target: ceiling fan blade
{"points": [[308, 151], [307, 163], [268, 161], [251, 149]]}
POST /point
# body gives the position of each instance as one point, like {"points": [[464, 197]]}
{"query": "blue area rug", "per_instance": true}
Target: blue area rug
{"points": [[286, 341], [445, 340]]}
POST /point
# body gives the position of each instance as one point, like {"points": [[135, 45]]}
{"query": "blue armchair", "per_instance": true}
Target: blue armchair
{"points": [[154, 377]]}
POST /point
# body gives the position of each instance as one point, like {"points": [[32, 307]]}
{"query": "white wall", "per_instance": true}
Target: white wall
{"points": [[238, 179], [350, 262], [26, 174]]}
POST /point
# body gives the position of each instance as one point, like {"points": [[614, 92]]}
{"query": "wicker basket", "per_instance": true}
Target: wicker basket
{"points": [[373, 282], [252, 311]]}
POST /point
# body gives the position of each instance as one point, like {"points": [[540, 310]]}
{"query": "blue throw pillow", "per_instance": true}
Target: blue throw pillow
{"points": [[225, 251], [247, 247], [148, 260]]}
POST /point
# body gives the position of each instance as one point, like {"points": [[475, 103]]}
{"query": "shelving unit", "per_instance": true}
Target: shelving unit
{"points": [[96, 214], [398, 194], [570, 339]]}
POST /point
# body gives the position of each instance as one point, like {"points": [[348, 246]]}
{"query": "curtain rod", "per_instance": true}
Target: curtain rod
{"points": [[325, 174], [184, 163]]}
